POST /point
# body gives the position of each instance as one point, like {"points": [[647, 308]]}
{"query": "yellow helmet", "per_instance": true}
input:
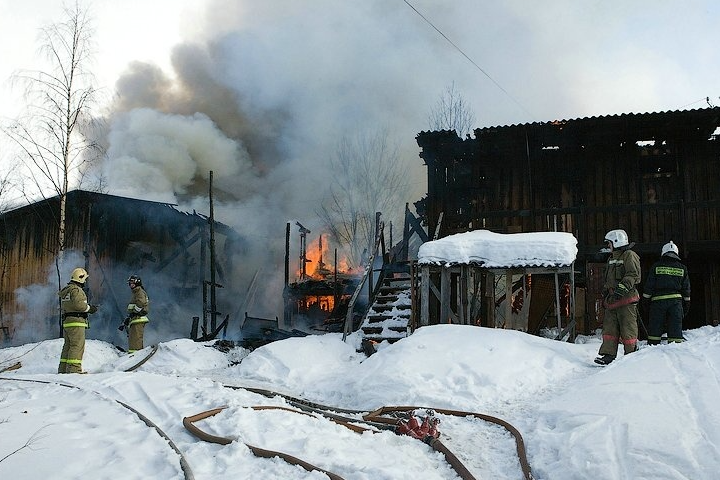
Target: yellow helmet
{"points": [[79, 275]]}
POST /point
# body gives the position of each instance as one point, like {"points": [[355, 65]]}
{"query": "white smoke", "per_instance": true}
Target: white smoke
{"points": [[266, 90], [160, 155]]}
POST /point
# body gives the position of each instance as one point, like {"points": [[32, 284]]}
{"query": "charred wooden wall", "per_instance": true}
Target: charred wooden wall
{"points": [[117, 237], [656, 175]]}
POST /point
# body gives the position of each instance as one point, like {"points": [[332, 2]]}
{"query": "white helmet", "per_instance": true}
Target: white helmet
{"points": [[618, 238], [670, 247]]}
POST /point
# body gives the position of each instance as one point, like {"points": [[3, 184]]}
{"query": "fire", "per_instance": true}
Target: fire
{"points": [[323, 303], [319, 261]]}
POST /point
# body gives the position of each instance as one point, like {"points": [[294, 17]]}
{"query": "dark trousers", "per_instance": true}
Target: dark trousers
{"points": [[665, 316]]}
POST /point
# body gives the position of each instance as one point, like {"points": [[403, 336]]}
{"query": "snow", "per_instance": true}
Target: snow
{"points": [[498, 250], [650, 415]]}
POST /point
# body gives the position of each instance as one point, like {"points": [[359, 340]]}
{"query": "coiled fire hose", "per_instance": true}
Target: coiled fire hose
{"points": [[189, 423], [375, 418]]}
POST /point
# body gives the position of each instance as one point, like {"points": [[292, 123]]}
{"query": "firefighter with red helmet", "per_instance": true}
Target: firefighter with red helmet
{"points": [[622, 275], [137, 311], [75, 311], [667, 289]]}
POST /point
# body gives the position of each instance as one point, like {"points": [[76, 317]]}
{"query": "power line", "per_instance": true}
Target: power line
{"points": [[468, 58]]}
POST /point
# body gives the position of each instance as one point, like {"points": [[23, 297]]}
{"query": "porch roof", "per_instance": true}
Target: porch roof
{"points": [[497, 250]]}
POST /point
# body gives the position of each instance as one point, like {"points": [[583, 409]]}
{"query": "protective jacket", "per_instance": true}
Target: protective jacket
{"points": [[74, 306], [667, 278], [668, 288], [139, 306], [622, 273]]}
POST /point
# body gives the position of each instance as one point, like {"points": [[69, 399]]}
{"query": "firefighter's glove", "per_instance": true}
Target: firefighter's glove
{"points": [[620, 291], [686, 308], [93, 308]]}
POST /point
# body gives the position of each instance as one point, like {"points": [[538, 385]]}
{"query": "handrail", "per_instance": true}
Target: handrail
{"points": [[356, 293]]}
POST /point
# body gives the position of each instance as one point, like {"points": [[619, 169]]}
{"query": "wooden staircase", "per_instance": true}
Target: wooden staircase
{"points": [[389, 316]]}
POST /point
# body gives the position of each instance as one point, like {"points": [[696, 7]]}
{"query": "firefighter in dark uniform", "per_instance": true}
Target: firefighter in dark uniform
{"points": [[667, 289], [137, 311], [622, 274], [75, 312]]}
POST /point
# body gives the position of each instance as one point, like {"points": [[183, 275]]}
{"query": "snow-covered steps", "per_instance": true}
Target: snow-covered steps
{"points": [[390, 314]]}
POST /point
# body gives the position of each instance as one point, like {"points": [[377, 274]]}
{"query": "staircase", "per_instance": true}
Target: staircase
{"points": [[389, 316]]}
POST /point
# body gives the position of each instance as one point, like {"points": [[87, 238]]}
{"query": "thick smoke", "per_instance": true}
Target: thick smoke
{"points": [[263, 103], [169, 155], [265, 92]]}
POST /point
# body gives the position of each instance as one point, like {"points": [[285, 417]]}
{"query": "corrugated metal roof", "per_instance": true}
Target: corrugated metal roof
{"points": [[698, 112]]}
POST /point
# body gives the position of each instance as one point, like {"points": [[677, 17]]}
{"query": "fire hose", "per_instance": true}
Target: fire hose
{"points": [[145, 359], [184, 465], [189, 424], [375, 419], [376, 416]]}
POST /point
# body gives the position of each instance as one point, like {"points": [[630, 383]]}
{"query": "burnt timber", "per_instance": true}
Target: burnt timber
{"points": [[656, 175]]}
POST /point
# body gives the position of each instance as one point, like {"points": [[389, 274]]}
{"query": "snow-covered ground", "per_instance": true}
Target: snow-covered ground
{"points": [[651, 415]]}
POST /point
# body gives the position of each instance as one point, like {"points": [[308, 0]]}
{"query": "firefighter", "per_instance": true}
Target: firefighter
{"points": [[75, 312], [667, 290], [622, 274], [137, 311]]}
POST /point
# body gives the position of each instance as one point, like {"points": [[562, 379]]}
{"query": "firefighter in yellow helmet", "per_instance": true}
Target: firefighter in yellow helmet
{"points": [[137, 311], [75, 312]]}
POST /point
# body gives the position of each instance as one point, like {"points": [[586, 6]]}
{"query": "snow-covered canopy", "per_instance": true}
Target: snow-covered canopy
{"points": [[498, 250]]}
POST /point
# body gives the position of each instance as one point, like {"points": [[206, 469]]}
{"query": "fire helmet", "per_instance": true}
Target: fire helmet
{"points": [[618, 238], [670, 247], [135, 279], [79, 275]]}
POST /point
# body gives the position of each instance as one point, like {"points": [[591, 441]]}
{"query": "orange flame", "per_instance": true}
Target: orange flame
{"points": [[320, 261]]}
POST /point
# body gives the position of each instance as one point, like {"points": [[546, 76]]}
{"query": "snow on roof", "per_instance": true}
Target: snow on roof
{"points": [[498, 250]]}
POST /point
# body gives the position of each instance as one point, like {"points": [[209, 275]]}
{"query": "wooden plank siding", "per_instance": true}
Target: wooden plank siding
{"points": [[111, 237], [655, 175]]}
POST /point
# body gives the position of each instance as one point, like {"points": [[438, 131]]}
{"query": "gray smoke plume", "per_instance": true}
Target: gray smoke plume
{"points": [[266, 90]]}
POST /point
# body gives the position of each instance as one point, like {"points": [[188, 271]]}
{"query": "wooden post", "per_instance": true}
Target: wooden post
{"points": [[557, 302], [463, 312], [424, 295], [509, 323], [445, 312]]}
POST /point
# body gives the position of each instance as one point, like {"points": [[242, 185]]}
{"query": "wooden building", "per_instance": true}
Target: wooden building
{"points": [[655, 175], [113, 237]]}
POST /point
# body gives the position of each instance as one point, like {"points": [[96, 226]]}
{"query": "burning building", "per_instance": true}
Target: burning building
{"points": [[177, 254], [318, 297]]}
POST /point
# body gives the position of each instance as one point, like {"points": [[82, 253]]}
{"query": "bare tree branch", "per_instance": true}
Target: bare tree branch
{"points": [[369, 178], [452, 112], [35, 437]]}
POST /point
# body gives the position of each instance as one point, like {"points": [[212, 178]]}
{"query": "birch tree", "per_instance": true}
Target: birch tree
{"points": [[50, 136]]}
